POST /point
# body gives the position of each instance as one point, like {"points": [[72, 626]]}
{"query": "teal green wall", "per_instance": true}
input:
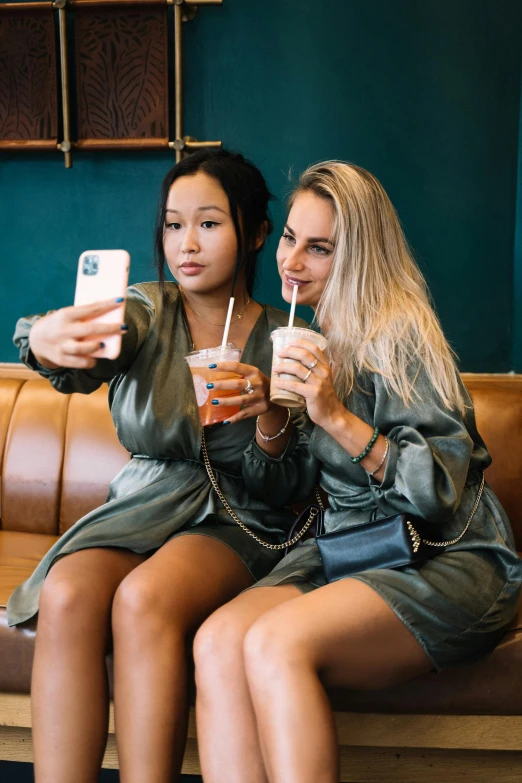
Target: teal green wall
{"points": [[424, 93], [517, 270]]}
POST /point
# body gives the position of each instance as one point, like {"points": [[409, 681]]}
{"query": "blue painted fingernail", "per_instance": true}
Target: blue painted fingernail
{"points": [[124, 328], [102, 345], [226, 422], [212, 366], [215, 402], [120, 299], [210, 385]]}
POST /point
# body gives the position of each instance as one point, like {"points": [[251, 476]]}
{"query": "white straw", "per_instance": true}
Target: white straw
{"points": [[227, 322], [292, 307]]}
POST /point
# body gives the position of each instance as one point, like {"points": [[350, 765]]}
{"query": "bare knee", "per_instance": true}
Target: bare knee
{"points": [[70, 606], [218, 645], [269, 649], [142, 611]]}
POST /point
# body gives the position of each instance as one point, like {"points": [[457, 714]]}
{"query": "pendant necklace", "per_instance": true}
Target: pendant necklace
{"points": [[237, 317]]}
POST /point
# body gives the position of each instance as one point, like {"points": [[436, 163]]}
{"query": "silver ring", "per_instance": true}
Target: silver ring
{"points": [[311, 366], [249, 389], [308, 374]]}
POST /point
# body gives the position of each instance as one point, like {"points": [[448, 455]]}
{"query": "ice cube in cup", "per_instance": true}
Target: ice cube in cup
{"points": [[281, 338]]}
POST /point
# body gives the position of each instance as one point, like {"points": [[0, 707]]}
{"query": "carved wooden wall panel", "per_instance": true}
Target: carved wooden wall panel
{"points": [[28, 86], [122, 73], [121, 55]]}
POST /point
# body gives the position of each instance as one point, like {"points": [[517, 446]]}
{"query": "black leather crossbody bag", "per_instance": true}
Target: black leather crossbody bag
{"points": [[389, 542]]}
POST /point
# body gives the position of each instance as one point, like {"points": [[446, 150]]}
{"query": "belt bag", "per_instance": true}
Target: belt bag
{"points": [[390, 542]]}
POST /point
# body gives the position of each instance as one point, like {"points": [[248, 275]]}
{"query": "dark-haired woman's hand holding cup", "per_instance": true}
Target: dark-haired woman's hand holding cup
{"points": [[308, 362], [249, 390]]}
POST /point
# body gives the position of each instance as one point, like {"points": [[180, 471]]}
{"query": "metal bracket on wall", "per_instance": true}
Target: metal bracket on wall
{"points": [[65, 145], [183, 11]]}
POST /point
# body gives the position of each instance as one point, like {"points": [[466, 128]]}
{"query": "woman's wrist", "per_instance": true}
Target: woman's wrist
{"points": [[273, 416], [339, 419], [354, 435], [266, 437], [41, 360], [273, 429]]}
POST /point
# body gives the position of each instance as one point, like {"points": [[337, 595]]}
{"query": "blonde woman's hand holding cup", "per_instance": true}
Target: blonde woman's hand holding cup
{"points": [[309, 363]]}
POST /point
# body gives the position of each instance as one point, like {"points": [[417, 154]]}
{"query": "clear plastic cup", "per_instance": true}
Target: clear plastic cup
{"points": [[281, 338], [198, 362]]}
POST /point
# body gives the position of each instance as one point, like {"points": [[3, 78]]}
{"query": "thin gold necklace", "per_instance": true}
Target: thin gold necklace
{"points": [[237, 317]]}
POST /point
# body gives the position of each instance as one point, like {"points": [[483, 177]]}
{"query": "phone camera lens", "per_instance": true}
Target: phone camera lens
{"points": [[90, 265]]}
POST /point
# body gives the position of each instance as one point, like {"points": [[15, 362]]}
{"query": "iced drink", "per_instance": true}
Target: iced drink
{"points": [[281, 338], [198, 362]]}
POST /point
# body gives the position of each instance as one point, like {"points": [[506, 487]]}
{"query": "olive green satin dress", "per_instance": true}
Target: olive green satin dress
{"points": [[456, 605], [164, 490]]}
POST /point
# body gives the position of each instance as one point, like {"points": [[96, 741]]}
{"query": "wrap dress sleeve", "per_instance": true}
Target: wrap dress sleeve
{"points": [[287, 479], [139, 316], [431, 452]]}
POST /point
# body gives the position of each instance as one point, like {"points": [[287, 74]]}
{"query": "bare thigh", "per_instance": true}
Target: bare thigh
{"points": [[84, 582], [220, 638], [238, 615], [346, 632], [185, 580]]}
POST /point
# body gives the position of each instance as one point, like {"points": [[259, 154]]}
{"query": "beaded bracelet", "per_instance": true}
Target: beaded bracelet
{"points": [[368, 448], [267, 438], [383, 460]]}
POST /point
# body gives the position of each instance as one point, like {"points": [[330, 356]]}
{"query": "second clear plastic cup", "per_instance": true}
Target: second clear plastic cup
{"points": [[281, 338], [198, 362]]}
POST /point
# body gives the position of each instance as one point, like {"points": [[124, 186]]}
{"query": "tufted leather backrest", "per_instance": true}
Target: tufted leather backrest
{"points": [[497, 400], [58, 453]]}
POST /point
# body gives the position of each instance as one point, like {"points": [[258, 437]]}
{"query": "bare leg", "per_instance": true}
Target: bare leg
{"points": [[341, 634], [69, 684], [156, 612], [229, 747]]}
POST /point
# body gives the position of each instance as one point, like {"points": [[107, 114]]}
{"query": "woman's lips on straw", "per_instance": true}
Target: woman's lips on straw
{"points": [[292, 281]]}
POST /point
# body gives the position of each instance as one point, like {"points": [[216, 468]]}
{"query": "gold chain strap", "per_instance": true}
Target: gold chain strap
{"points": [[417, 540], [294, 540]]}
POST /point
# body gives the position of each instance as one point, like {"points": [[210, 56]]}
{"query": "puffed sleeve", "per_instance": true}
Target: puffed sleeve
{"points": [[287, 479], [139, 316], [429, 453]]}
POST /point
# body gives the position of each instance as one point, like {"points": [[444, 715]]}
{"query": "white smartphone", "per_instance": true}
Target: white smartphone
{"points": [[104, 274]]}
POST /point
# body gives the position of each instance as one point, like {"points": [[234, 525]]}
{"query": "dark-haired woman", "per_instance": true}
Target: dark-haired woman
{"points": [[146, 568]]}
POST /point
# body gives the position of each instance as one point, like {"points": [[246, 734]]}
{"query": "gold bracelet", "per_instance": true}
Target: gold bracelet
{"points": [[266, 438], [383, 460]]}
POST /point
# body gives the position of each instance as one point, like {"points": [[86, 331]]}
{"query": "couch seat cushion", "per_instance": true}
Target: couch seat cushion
{"points": [[20, 553], [490, 686]]}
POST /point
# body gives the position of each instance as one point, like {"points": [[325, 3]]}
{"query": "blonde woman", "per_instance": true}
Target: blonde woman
{"points": [[392, 431]]}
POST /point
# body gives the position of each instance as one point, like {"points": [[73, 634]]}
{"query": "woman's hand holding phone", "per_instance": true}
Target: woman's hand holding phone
{"points": [[75, 336], [69, 337]]}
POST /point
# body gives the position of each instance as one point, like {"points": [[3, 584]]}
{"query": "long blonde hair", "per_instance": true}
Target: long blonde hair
{"points": [[376, 304]]}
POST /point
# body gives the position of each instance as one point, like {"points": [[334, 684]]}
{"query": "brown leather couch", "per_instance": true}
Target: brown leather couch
{"points": [[57, 456]]}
